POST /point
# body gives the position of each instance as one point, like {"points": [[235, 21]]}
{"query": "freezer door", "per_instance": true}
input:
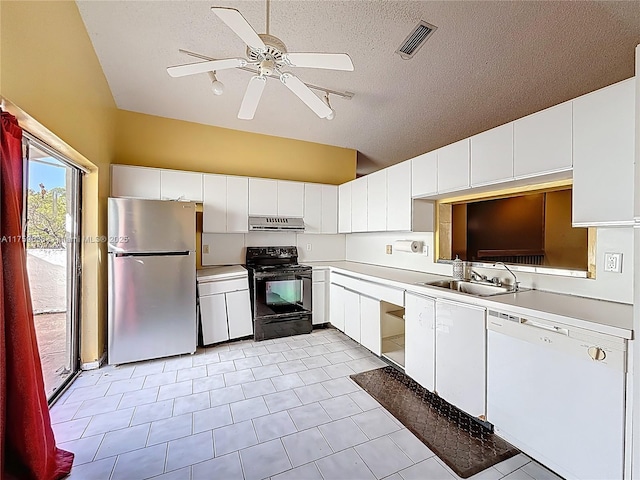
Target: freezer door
{"points": [[151, 225], [152, 306]]}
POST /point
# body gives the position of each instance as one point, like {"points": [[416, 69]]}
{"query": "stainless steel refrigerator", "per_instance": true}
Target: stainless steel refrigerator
{"points": [[152, 279]]}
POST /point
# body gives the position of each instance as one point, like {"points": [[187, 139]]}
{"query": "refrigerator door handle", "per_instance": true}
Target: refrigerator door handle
{"points": [[153, 254]]}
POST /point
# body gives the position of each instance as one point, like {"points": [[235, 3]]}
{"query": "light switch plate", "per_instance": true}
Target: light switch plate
{"points": [[613, 262], [389, 250], [205, 249]]}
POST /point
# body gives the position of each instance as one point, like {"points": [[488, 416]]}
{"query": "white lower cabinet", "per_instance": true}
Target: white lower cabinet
{"points": [[370, 334], [225, 310], [420, 339], [461, 371], [336, 306], [352, 314]]}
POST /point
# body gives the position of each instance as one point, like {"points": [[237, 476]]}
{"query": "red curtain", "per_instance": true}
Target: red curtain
{"points": [[27, 445]]}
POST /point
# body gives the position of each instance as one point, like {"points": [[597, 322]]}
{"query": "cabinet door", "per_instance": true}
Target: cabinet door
{"points": [[420, 339], [263, 197], [352, 314], [237, 204], [329, 209], [344, 208], [239, 314], [492, 156], [424, 175], [370, 336], [214, 208], [542, 142], [135, 182], [377, 201], [318, 303], [399, 197], [213, 314], [453, 166], [603, 156], [312, 208], [336, 306], [359, 205], [180, 185], [290, 199], [461, 374]]}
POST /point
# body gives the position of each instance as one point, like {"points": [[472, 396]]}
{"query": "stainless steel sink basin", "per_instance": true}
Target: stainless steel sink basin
{"points": [[471, 288]]}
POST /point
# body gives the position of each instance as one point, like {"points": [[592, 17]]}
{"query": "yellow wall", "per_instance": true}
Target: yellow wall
{"points": [[51, 77], [152, 141]]}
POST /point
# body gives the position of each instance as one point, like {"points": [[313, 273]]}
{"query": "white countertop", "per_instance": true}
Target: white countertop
{"points": [[596, 315], [221, 273]]}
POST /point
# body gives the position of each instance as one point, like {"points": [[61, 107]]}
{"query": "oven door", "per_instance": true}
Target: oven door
{"points": [[278, 294]]}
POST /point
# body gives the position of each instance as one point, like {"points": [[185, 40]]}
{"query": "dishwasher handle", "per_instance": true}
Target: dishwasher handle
{"points": [[544, 326]]}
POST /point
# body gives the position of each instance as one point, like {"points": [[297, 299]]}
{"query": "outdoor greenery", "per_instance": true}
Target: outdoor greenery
{"points": [[46, 211]]}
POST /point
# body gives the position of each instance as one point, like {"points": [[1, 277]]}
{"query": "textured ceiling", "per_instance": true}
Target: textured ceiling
{"points": [[488, 63]]}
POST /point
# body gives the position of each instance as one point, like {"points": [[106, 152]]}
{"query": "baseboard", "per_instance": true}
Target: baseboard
{"points": [[94, 365]]}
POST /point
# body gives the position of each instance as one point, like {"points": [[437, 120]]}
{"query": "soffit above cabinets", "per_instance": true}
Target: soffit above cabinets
{"points": [[487, 63]]}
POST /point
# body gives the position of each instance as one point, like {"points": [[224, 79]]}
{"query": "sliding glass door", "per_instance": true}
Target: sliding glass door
{"points": [[53, 259]]}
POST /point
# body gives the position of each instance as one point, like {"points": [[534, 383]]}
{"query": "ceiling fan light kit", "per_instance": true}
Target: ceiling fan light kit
{"points": [[269, 55]]}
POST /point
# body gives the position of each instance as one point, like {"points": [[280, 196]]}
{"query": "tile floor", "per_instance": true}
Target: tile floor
{"points": [[282, 409]]}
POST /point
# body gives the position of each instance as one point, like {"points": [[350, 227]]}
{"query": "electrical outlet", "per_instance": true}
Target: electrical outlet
{"points": [[309, 247], [613, 262], [389, 250], [205, 249]]}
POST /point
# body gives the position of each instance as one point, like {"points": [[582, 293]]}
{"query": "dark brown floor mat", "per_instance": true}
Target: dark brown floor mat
{"points": [[466, 446]]}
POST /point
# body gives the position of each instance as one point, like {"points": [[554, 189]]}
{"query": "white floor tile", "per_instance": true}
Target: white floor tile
{"points": [[315, 362], [305, 472], [139, 397], [256, 351], [169, 429], [339, 370], [292, 366], [268, 371], [383, 457], [279, 347], [152, 412], [411, 445], [206, 359], [375, 423], [343, 465], [343, 434], [65, 412], [189, 450], [263, 460], [94, 470], [178, 363], [88, 393], [511, 464], [122, 441], [127, 385], [238, 378], [158, 379], [272, 358], [287, 382], [181, 474], [140, 464], [273, 426], [191, 403], [337, 357], [226, 467], [234, 437], [315, 375], [309, 416], [248, 409], [538, 472], [108, 422], [340, 407], [364, 400], [179, 389], [312, 393], [191, 373], [276, 402], [98, 406], [244, 363], [222, 367], [144, 369], [519, 474], [295, 354], [429, 468], [231, 355], [205, 384], [306, 446], [211, 418], [258, 388], [340, 386], [226, 395], [84, 449]]}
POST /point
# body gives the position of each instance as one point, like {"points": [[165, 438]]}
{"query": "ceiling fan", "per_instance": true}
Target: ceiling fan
{"points": [[269, 54]]}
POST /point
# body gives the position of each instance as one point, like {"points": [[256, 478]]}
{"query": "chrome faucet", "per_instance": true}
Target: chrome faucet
{"points": [[515, 279], [475, 276]]}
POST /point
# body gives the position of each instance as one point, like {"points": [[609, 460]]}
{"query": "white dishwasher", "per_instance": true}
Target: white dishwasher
{"points": [[558, 393]]}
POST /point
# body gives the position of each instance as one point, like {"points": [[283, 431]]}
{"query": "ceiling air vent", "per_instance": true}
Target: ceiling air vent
{"points": [[415, 40]]}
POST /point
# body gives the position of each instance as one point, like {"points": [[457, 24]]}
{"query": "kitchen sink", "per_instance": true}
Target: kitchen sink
{"points": [[471, 288]]}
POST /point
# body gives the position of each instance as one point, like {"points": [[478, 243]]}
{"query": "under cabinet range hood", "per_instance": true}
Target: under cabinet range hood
{"points": [[276, 224]]}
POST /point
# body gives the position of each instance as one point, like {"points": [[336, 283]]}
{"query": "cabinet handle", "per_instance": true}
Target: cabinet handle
{"points": [[542, 326]]}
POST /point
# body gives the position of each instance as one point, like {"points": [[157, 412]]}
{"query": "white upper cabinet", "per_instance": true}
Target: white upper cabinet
{"points": [[603, 156], [542, 142], [180, 185], [312, 208], [377, 201], [492, 156], [263, 197], [329, 209], [453, 166], [135, 182], [225, 205], [399, 197], [359, 205], [290, 199], [344, 207], [424, 175]]}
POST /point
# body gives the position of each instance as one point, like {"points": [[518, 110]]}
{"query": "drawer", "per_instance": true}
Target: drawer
{"points": [[370, 289], [319, 275], [223, 286]]}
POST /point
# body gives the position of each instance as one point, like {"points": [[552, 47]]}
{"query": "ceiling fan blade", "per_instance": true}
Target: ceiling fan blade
{"points": [[252, 97], [236, 22], [305, 94], [331, 61], [201, 67]]}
